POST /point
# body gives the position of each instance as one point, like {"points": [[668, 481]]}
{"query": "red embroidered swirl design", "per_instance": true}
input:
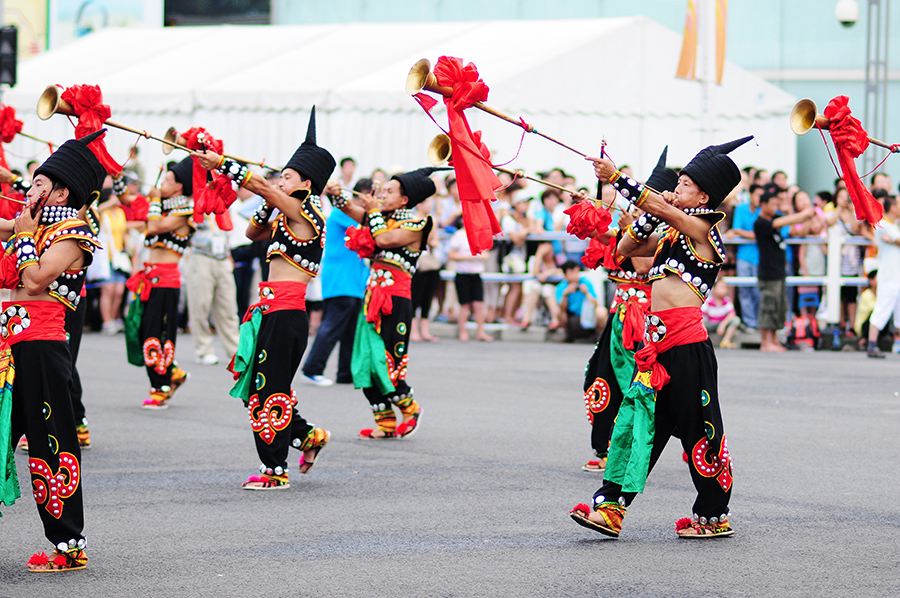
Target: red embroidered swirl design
{"points": [[274, 416], [52, 487]]}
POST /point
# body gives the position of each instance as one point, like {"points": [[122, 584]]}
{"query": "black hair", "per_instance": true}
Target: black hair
{"points": [[754, 188], [347, 159], [880, 193], [876, 175], [768, 196], [570, 265], [549, 192], [888, 201], [363, 186]]}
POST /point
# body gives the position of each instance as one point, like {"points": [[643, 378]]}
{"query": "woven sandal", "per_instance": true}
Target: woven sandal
{"points": [[158, 400], [612, 513], [595, 466], [688, 528], [84, 437], [267, 482], [313, 444], [410, 426], [70, 560], [179, 377], [367, 434]]}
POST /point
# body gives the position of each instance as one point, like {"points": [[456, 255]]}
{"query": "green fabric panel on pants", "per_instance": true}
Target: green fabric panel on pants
{"points": [[369, 363], [133, 333]]}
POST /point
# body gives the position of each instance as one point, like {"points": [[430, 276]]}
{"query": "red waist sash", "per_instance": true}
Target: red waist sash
{"points": [[384, 284], [666, 329], [32, 321], [635, 297], [154, 276], [278, 295]]}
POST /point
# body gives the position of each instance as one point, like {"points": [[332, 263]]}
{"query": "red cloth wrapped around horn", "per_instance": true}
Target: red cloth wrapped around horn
{"points": [[87, 104], [475, 179], [851, 140], [10, 126], [213, 197], [585, 218]]}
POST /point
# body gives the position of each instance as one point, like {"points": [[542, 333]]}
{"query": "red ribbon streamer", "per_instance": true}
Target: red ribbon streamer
{"points": [[851, 140], [92, 113], [475, 179]]}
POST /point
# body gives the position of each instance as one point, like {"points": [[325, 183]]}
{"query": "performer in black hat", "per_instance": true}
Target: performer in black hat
{"points": [[151, 325], [276, 329], [52, 250], [393, 239], [611, 367], [675, 386]]}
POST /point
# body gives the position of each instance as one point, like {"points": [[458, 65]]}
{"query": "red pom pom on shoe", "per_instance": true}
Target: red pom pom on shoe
{"points": [[60, 561], [583, 508], [40, 559], [683, 523]]}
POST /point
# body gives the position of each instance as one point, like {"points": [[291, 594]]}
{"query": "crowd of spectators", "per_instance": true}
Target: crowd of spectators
{"points": [[532, 278]]}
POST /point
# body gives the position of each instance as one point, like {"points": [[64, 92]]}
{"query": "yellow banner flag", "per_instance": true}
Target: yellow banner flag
{"points": [[687, 63], [721, 33]]}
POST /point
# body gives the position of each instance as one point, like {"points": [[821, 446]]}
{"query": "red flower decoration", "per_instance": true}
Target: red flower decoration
{"points": [[585, 218], [140, 208], [87, 104], [359, 239], [600, 253], [9, 125]]}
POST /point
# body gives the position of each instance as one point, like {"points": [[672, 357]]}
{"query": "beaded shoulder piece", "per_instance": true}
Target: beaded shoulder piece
{"points": [[59, 223], [404, 257], [303, 254], [675, 253]]}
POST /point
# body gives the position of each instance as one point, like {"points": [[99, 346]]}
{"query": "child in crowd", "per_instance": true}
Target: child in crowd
{"points": [[469, 286], [719, 316], [577, 304]]}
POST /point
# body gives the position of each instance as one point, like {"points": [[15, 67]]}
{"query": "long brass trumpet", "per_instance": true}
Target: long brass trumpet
{"points": [[805, 116], [439, 152], [51, 103], [421, 78]]}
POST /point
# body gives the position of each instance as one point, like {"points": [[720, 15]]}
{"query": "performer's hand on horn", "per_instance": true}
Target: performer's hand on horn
{"points": [[333, 188], [208, 160], [578, 196], [670, 198], [603, 168]]}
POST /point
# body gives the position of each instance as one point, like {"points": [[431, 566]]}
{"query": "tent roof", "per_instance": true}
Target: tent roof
{"points": [[588, 66]]}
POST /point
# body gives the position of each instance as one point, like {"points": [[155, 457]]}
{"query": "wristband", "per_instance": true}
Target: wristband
{"points": [[26, 253], [641, 229], [154, 209], [20, 185], [260, 218], [629, 188], [339, 201], [377, 224], [119, 188], [234, 170]]}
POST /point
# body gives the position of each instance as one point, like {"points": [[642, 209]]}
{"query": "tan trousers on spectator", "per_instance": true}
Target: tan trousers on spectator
{"points": [[211, 293]]}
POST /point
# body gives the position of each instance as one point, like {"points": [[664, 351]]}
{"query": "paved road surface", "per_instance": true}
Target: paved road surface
{"points": [[475, 504]]}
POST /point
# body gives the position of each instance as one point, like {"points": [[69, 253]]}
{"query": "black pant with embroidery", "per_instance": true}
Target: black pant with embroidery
{"points": [[74, 328], [395, 334], [689, 403], [42, 410], [273, 417], [602, 394], [159, 327]]}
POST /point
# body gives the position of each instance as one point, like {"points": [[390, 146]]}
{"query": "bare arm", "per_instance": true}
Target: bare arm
{"points": [[794, 218]]}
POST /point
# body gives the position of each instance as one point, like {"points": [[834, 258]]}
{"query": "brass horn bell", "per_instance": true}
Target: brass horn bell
{"points": [[171, 139], [420, 77], [439, 150], [51, 102], [805, 116]]}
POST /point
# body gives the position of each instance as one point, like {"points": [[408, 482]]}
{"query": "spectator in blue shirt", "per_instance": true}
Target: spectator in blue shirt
{"points": [[344, 277], [747, 255]]}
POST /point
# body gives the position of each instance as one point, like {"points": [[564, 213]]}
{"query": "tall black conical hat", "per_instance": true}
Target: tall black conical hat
{"points": [[417, 185], [184, 174], [310, 160], [662, 178], [714, 172], [74, 165]]}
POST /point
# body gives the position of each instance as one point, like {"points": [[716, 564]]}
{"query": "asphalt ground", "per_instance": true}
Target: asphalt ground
{"points": [[476, 502]]}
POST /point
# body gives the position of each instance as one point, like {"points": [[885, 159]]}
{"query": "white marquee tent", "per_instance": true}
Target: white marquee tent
{"points": [[576, 80]]}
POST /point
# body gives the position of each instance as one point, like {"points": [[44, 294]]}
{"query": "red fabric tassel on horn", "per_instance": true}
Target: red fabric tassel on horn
{"points": [[87, 104], [850, 141]]}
